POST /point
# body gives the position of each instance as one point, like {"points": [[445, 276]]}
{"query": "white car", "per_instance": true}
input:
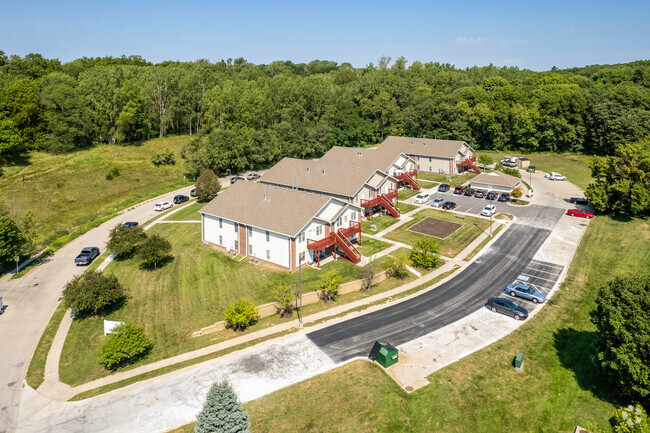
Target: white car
{"points": [[437, 202], [162, 206], [421, 198], [557, 176], [489, 210]]}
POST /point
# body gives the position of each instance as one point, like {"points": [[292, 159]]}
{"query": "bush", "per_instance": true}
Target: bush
{"points": [[153, 250], [222, 412], [126, 344], [517, 192], [92, 291], [285, 298], [511, 171], [631, 419], [207, 185], [623, 324], [123, 241], [241, 314], [425, 253], [396, 266], [165, 158], [113, 173], [329, 286]]}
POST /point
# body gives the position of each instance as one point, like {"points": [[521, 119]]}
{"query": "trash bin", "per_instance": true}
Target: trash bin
{"points": [[384, 353], [531, 169]]}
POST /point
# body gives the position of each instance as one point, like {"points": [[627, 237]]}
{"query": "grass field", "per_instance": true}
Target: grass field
{"points": [[559, 388], [36, 371], [405, 194], [68, 191], [190, 292], [382, 222], [405, 207], [455, 243], [371, 246], [188, 213], [442, 178], [574, 166]]}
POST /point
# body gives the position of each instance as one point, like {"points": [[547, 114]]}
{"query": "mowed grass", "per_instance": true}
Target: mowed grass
{"points": [[190, 212], [405, 194], [405, 207], [455, 243], [370, 246], [68, 191], [457, 179], [382, 222], [574, 166], [188, 293], [559, 388], [36, 371]]}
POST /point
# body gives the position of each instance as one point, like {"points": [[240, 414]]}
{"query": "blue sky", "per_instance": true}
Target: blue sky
{"points": [[529, 34]]}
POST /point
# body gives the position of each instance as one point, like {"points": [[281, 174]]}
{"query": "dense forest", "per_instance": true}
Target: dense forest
{"points": [[245, 116]]}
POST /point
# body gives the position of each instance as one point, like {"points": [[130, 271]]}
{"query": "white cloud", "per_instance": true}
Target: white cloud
{"points": [[462, 40]]}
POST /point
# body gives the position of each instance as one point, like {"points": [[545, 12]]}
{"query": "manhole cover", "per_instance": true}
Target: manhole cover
{"points": [[409, 388], [11, 383]]}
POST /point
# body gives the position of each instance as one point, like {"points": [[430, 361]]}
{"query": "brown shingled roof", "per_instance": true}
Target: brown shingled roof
{"points": [[283, 211], [421, 146], [373, 157], [496, 178]]}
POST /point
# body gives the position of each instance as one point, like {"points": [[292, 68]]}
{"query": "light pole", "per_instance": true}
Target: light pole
{"points": [[229, 176], [300, 289], [490, 222]]}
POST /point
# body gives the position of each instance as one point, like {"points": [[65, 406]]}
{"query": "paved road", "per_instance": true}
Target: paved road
{"points": [[418, 316], [32, 299]]}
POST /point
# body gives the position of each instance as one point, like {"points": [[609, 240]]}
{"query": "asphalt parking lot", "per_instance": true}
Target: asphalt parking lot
{"points": [[540, 276]]}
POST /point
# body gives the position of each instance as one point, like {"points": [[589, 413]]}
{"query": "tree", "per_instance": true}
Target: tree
{"points": [[329, 286], [396, 266], [241, 314], [127, 343], [152, 250], [222, 412], [367, 277], [207, 185], [622, 182], [92, 291], [623, 324], [123, 241], [12, 239], [517, 192], [631, 419], [285, 298], [485, 159], [425, 253]]}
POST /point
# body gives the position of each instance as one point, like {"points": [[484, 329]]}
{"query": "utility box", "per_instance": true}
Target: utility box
{"points": [[519, 361], [523, 162], [384, 353], [531, 169]]}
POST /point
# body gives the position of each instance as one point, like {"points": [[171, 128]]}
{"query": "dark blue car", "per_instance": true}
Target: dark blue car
{"points": [[507, 307]]}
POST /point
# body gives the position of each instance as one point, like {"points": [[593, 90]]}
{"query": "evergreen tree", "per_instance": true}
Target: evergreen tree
{"points": [[222, 412]]}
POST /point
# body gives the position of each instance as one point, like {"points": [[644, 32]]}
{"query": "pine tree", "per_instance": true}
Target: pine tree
{"points": [[222, 412]]}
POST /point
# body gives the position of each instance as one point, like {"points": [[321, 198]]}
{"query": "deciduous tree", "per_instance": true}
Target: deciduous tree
{"points": [[92, 291], [123, 241], [153, 250], [207, 185], [425, 253], [329, 286], [127, 343], [241, 314]]}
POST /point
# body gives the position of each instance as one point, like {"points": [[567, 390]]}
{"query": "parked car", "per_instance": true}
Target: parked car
{"points": [[162, 206], [459, 190], [448, 205], [579, 213], [180, 199], [578, 200], [480, 193], [193, 193], [491, 196], [86, 256], [523, 290], [437, 202], [509, 162], [469, 192], [489, 210], [504, 196], [557, 176], [130, 224], [253, 176], [235, 179], [421, 198], [550, 174], [507, 307], [443, 187]]}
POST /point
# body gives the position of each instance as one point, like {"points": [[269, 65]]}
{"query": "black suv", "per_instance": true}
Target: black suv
{"points": [[504, 196], [469, 192], [578, 200], [490, 196], [180, 199], [443, 187], [448, 205]]}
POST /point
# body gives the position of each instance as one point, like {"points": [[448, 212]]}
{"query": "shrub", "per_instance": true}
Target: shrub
{"points": [[126, 344], [92, 291], [396, 266], [367, 277], [511, 171], [207, 185], [165, 158], [241, 314], [285, 298], [631, 419], [425, 253], [222, 412], [123, 241], [12, 239], [113, 173], [329, 286], [517, 192], [154, 249]]}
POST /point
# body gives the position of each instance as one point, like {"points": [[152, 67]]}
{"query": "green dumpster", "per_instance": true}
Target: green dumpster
{"points": [[384, 353], [531, 169]]}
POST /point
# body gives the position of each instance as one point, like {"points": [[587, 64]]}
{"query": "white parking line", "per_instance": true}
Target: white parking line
{"points": [[548, 265], [545, 279], [546, 272]]}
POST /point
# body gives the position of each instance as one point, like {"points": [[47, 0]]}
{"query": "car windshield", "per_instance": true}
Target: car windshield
{"points": [[85, 253], [530, 290]]}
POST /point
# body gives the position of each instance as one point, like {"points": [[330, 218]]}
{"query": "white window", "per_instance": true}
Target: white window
{"points": [[236, 227], [353, 217], [268, 236], [250, 231], [319, 230], [220, 223], [418, 166], [345, 218], [268, 255], [301, 257], [237, 245], [250, 250], [429, 161], [301, 237], [220, 240], [430, 168]]}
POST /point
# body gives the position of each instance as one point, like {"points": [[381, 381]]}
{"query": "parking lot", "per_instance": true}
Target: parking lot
{"points": [[540, 276]]}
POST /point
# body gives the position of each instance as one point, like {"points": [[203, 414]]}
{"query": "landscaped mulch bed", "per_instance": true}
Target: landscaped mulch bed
{"points": [[435, 227]]}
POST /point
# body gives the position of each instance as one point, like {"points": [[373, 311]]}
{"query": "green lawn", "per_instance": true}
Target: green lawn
{"points": [[371, 246], [442, 178], [190, 292], [559, 388], [455, 243], [426, 184], [574, 166], [382, 222], [70, 190], [36, 371], [405, 194], [188, 213], [405, 207]]}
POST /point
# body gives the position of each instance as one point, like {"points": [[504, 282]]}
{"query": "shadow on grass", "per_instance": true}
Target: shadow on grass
{"points": [[111, 308], [161, 263], [578, 351]]}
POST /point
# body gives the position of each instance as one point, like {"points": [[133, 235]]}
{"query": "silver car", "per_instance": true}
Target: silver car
{"points": [[525, 291]]}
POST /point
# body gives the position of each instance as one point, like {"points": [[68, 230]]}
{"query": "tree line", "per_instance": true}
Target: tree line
{"points": [[246, 116]]}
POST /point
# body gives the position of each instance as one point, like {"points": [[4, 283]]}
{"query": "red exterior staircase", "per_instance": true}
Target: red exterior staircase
{"points": [[340, 239], [386, 204], [346, 246], [409, 177], [471, 163]]}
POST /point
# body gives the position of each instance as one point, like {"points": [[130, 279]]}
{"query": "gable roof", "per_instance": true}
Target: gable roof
{"points": [[496, 178], [373, 157], [338, 177], [421, 146], [277, 209]]}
